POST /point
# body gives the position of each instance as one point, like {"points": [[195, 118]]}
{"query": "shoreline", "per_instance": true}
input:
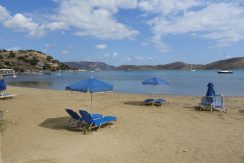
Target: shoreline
{"points": [[172, 133], [143, 94]]}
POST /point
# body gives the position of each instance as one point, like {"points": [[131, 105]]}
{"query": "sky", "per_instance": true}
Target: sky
{"points": [[117, 32]]}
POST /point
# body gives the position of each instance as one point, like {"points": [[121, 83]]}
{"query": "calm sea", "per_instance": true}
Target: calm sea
{"points": [[181, 82]]}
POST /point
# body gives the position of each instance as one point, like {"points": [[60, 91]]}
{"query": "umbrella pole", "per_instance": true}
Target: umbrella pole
{"points": [[91, 101]]}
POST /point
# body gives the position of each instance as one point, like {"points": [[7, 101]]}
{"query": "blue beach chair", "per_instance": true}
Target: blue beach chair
{"points": [[206, 103], [159, 102], [95, 123], [75, 120], [148, 101], [218, 103]]}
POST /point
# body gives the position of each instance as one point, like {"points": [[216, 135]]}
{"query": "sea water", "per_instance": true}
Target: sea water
{"points": [[181, 82]]}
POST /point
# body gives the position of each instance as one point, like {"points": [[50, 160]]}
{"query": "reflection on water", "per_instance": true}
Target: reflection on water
{"points": [[181, 82], [33, 84]]}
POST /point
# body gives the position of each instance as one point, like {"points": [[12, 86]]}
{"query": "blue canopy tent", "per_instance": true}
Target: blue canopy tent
{"points": [[210, 91], [90, 85]]}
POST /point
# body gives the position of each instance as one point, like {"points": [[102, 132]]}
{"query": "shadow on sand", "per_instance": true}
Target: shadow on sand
{"points": [[134, 103], [55, 123]]}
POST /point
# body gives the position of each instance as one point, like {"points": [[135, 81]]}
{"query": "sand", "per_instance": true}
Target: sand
{"points": [[35, 130]]}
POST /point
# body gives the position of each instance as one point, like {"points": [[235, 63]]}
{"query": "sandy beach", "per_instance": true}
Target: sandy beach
{"points": [[35, 129]]}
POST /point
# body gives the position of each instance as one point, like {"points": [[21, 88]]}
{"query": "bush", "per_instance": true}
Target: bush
{"points": [[49, 58], [33, 61], [1, 57], [11, 55]]}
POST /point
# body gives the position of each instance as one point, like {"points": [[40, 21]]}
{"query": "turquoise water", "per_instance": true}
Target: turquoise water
{"points": [[181, 82]]}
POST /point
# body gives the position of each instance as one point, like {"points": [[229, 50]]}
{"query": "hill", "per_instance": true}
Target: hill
{"points": [[22, 60], [89, 65], [232, 63]]}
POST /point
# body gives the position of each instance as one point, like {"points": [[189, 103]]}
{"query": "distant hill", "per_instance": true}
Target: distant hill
{"points": [[89, 65], [23, 60], [233, 63]]}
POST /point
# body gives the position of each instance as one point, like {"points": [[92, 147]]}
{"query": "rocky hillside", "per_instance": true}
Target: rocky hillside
{"points": [[89, 65], [232, 63], [23, 60]]}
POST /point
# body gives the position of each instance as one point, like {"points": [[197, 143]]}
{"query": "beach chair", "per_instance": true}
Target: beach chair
{"points": [[218, 103], [148, 101], [75, 120], [94, 116], [6, 96], [206, 103], [95, 123], [159, 102]]}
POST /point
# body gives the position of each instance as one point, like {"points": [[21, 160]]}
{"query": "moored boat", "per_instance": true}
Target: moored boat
{"points": [[225, 72]]}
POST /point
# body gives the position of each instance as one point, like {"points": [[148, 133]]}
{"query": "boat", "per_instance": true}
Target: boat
{"points": [[192, 69], [225, 72], [7, 72]]}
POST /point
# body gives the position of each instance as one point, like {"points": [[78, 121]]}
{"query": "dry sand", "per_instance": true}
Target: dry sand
{"points": [[35, 131]]}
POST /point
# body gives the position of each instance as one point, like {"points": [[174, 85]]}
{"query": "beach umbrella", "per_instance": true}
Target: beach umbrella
{"points": [[155, 81], [2, 85], [91, 86], [210, 91]]}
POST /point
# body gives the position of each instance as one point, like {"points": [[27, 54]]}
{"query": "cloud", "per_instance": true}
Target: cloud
{"points": [[21, 23], [4, 14], [87, 18], [135, 58], [64, 52], [221, 22], [113, 55], [101, 46]]}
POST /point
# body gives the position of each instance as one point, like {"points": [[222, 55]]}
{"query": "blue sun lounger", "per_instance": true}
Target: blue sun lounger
{"points": [[206, 103], [76, 121], [159, 102], [218, 103], [94, 123], [149, 101]]}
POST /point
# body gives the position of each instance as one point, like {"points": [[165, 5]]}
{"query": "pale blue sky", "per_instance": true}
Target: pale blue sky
{"points": [[125, 31]]}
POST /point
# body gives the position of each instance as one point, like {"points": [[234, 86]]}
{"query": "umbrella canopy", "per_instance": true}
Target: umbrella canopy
{"points": [[155, 81], [2, 85], [90, 85], [210, 91]]}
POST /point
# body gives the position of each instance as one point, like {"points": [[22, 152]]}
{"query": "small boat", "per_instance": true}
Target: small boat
{"points": [[7, 72], [225, 72], [192, 69]]}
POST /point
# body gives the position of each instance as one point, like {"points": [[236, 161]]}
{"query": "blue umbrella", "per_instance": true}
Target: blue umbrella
{"points": [[155, 81], [210, 91], [90, 85], [2, 85]]}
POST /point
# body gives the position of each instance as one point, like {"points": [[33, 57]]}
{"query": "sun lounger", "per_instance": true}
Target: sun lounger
{"points": [[95, 123], [159, 102], [148, 101], [5, 96], [218, 103], [77, 121], [206, 103]]}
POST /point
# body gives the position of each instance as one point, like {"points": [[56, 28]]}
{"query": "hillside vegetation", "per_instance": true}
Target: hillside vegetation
{"points": [[24, 60]]}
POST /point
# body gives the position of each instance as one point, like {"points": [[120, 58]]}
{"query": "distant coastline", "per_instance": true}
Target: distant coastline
{"points": [[232, 63]]}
